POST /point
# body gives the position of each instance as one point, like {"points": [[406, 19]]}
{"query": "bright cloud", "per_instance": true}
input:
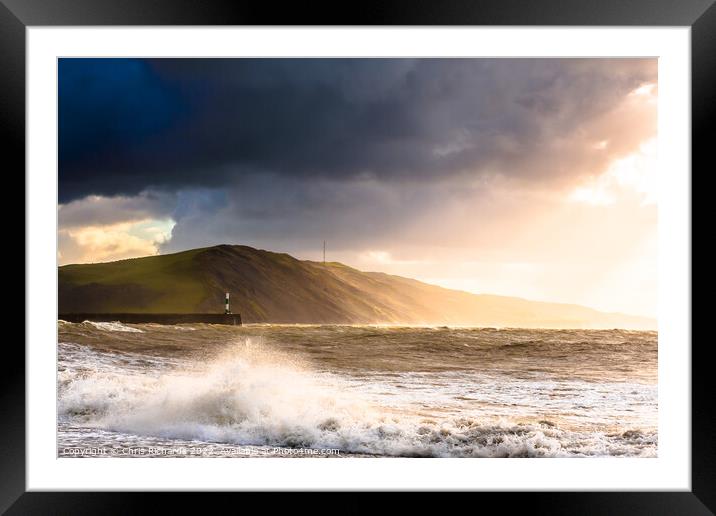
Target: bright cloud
{"points": [[633, 175], [113, 241]]}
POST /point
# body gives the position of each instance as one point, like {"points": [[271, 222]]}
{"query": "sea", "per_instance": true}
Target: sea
{"points": [[334, 391]]}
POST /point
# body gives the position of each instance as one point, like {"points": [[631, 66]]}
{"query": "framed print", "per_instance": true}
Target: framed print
{"points": [[440, 249]]}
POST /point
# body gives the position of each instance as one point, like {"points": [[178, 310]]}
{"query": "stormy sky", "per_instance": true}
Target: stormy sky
{"points": [[527, 177]]}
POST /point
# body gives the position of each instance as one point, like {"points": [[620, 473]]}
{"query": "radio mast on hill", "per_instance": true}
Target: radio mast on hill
{"points": [[324, 252]]}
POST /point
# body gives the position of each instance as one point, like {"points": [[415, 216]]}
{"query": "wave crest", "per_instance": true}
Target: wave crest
{"points": [[255, 395], [113, 326]]}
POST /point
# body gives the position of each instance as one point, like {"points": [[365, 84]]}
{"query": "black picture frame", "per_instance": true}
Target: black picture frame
{"points": [[17, 15]]}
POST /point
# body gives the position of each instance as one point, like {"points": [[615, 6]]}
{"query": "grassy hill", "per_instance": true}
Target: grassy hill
{"points": [[275, 287]]}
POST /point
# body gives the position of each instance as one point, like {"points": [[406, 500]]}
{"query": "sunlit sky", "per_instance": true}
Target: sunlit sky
{"points": [[524, 177]]}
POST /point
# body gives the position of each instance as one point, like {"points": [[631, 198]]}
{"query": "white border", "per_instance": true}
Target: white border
{"points": [[671, 470]]}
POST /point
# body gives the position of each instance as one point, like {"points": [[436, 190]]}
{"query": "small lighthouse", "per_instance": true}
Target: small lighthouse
{"points": [[227, 310]]}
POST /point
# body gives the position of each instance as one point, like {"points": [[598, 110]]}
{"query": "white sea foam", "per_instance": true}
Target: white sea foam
{"points": [[254, 395], [114, 326]]}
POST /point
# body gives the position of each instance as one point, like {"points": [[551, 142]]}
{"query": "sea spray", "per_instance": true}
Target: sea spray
{"points": [[300, 388]]}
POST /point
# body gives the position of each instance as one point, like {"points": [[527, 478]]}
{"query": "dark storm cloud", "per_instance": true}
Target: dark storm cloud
{"points": [[126, 126], [285, 213]]}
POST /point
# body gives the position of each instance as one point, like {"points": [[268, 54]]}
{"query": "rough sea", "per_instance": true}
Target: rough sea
{"points": [[352, 391]]}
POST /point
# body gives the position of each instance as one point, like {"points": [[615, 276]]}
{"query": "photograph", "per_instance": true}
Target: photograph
{"points": [[357, 257]]}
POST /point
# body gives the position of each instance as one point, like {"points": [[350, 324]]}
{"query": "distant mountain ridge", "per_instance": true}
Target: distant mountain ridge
{"points": [[278, 288]]}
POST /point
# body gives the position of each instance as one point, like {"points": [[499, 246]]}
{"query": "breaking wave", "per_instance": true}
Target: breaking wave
{"points": [[113, 326], [252, 394]]}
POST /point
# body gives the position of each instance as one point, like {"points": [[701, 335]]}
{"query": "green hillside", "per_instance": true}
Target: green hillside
{"points": [[275, 287]]}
